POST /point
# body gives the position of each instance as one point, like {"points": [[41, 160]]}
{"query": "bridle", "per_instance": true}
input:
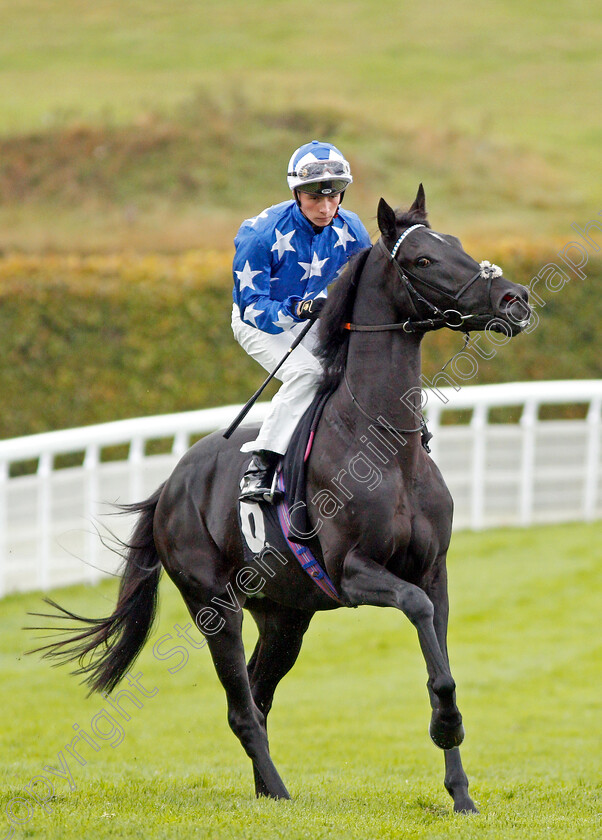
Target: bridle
{"points": [[439, 318]]}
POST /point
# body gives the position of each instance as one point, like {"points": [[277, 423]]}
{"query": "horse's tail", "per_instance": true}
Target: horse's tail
{"points": [[107, 647]]}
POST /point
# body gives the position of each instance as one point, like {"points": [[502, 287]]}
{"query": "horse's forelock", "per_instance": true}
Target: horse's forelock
{"points": [[407, 218]]}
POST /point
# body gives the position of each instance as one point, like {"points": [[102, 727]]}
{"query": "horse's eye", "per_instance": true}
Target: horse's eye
{"points": [[422, 262]]}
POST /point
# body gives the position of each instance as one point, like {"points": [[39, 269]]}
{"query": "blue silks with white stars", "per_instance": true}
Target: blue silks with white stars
{"points": [[280, 260]]}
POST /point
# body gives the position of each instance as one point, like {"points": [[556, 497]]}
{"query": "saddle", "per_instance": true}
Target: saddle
{"points": [[293, 469]]}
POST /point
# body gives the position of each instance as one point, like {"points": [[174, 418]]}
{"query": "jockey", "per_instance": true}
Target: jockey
{"points": [[285, 258]]}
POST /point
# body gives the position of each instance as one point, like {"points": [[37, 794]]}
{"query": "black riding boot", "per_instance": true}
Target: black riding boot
{"points": [[259, 481]]}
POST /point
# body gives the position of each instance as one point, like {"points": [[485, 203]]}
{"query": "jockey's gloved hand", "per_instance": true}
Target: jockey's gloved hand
{"points": [[310, 309]]}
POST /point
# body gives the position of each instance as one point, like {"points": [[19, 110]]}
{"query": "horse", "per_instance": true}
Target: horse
{"points": [[377, 504]]}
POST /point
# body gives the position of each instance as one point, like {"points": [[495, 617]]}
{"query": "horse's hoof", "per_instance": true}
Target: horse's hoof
{"points": [[446, 736], [264, 793], [466, 806]]}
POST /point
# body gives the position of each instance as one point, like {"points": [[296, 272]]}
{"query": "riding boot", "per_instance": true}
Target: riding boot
{"points": [[258, 484]]}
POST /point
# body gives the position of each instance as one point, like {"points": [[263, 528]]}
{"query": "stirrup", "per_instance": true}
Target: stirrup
{"points": [[275, 495], [259, 493]]}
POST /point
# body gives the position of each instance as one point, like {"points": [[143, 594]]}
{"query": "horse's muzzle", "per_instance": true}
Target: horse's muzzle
{"points": [[512, 310]]}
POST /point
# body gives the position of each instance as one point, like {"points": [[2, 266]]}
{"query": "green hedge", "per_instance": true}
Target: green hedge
{"points": [[91, 339]]}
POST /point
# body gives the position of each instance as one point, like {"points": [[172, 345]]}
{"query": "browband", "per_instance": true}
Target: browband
{"points": [[401, 238]]}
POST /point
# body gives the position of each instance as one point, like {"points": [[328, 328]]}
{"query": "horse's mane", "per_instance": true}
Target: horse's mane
{"points": [[333, 338]]}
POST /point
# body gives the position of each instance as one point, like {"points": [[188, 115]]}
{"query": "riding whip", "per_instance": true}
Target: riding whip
{"points": [[250, 403]]}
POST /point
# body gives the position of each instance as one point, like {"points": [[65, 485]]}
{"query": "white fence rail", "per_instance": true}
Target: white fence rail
{"points": [[500, 473]]}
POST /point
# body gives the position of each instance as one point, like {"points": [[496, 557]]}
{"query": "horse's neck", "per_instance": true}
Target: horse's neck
{"points": [[383, 373], [383, 368]]}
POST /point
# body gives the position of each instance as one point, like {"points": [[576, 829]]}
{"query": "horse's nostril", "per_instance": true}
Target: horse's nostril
{"points": [[515, 308]]}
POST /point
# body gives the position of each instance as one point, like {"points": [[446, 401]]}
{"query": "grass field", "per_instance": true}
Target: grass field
{"points": [[159, 125], [156, 126], [348, 731]]}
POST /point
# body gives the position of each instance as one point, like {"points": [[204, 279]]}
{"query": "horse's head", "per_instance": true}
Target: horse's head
{"points": [[436, 283]]}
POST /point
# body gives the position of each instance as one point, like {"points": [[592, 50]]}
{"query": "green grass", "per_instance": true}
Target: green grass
{"points": [[492, 105], [348, 730]]}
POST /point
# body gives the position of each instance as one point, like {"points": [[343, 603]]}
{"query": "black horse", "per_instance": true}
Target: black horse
{"points": [[382, 537]]}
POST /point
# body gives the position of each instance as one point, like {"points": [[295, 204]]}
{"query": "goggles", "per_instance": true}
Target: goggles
{"points": [[321, 169]]}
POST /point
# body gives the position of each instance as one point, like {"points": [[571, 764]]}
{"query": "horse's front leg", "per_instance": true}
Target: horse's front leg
{"points": [[456, 780], [365, 582]]}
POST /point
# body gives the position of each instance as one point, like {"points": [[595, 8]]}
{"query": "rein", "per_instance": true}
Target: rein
{"points": [[423, 428]]}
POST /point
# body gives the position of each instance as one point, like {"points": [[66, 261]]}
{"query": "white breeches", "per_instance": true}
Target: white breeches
{"points": [[299, 375]]}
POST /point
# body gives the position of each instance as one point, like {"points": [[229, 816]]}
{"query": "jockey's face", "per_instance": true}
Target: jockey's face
{"points": [[319, 209]]}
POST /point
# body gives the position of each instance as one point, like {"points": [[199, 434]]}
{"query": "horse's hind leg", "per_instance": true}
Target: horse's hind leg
{"points": [[246, 720], [280, 637], [201, 573]]}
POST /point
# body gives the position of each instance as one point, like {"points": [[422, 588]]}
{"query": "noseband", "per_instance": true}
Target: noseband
{"points": [[439, 318]]}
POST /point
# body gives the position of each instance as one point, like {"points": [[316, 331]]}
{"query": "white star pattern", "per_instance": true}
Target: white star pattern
{"points": [[283, 243], [314, 268], [255, 219], [344, 236], [285, 322], [246, 276], [251, 314]]}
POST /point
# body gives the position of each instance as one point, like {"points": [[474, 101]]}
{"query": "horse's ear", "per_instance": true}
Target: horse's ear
{"points": [[419, 206], [387, 223]]}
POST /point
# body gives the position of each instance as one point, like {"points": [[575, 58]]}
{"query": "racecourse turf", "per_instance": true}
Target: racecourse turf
{"points": [[349, 726]]}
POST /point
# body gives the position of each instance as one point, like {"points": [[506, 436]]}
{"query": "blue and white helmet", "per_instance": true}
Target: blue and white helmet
{"points": [[318, 168]]}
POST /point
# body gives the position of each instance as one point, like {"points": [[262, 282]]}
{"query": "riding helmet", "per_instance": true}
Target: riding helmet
{"points": [[318, 168]]}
